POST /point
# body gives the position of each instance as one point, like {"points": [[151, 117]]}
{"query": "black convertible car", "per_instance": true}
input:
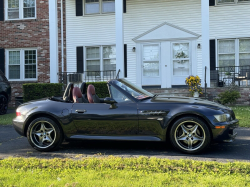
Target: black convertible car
{"points": [[130, 113]]}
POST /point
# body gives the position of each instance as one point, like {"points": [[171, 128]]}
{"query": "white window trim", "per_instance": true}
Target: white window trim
{"points": [[237, 50], [100, 10], [22, 69], [236, 2], [101, 55], [20, 11]]}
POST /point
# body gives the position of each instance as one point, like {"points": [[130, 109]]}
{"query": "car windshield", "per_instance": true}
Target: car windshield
{"points": [[132, 89]]}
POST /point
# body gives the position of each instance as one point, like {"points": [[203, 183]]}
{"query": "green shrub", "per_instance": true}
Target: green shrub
{"points": [[101, 89], [33, 91], [228, 97]]}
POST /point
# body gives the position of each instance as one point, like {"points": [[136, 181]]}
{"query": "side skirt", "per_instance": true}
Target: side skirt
{"points": [[126, 138]]}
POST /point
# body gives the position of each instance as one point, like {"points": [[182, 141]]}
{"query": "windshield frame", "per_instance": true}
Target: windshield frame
{"points": [[135, 88]]}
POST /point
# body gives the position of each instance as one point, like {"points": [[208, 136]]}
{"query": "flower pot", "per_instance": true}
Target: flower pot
{"points": [[196, 94]]}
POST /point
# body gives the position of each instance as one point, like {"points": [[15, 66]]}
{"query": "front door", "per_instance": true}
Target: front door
{"points": [[151, 74], [181, 62], [101, 120]]}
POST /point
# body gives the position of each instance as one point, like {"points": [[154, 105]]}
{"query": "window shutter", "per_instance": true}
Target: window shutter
{"points": [[211, 2], [2, 61], [79, 59], [212, 55], [1, 10], [79, 7], [124, 6], [125, 60]]}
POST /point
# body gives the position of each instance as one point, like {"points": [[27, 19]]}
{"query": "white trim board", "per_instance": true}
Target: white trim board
{"points": [[165, 31]]}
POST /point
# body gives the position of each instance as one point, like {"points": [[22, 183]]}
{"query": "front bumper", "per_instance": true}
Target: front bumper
{"points": [[226, 134]]}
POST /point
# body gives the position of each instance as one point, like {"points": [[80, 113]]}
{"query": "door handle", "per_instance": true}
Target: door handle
{"points": [[81, 111]]}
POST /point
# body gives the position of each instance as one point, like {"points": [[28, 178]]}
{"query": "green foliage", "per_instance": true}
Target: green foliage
{"points": [[101, 89], [116, 171], [33, 91], [228, 97], [6, 119]]}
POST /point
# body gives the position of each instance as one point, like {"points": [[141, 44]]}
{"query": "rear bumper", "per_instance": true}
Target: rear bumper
{"points": [[226, 134], [18, 124]]}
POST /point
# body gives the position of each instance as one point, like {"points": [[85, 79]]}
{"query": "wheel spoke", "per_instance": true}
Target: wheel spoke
{"points": [[194, 129], [41, 140], [42, 129], [48, 138], [190, 143], [196, 137], [182, 137], [185, 129]]}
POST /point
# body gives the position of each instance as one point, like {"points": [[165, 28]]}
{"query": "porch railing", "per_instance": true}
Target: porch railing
{"points": [[86, 76], [230, 75]]}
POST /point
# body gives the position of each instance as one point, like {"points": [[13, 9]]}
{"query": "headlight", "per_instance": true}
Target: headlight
{"points": [[223, 117]]}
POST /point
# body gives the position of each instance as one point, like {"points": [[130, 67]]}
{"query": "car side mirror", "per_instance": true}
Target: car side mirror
{"points": [[111, 101]]}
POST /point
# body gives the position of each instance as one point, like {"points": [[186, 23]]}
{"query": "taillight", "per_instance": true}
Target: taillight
{"points": [[18, 113]]}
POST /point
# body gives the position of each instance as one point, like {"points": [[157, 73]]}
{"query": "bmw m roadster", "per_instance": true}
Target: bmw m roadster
{"points": [[129, 114]]}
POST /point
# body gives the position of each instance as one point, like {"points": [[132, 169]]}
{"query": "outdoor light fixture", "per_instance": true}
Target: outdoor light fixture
{"points": [[133, 49], [199, 46]]}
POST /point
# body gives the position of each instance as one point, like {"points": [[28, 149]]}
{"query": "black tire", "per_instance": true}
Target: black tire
{"points": [[44, 134], [190, 135], [3, 104]]}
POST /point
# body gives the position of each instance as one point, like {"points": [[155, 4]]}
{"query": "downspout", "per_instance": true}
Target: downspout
{"points": [[62, 49]]}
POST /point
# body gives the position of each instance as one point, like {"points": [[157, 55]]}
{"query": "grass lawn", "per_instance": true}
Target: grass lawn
{"points": [[242, 113], [116, 171], [6, 119]]}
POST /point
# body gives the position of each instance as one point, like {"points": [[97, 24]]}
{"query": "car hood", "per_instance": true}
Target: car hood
{"points": [[188, 100]]}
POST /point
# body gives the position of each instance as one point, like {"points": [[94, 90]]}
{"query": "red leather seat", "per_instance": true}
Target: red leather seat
{"points": [[92, 97], [90, 93], [77, 95]]}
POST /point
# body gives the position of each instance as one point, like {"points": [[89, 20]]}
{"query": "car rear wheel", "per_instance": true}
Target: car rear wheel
{"points": [[44, 134], [3, 104], [190, 135]]}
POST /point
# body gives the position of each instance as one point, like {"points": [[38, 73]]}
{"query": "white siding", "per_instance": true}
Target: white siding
{"points": [[143, 15], [230, 21]]}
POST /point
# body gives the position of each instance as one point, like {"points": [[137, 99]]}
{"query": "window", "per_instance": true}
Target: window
{"points": [[151, 61], [117, 95], [99, 6], [22, 64], [181, 59], [20, 9], [101, 58], [234, 52], [230, 1]]}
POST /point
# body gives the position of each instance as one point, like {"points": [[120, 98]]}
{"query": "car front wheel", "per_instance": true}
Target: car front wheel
{"points": [[190, 135], [3, 104], [44, 134]]}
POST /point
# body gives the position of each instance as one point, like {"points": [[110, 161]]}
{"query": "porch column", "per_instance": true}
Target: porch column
{"points": [[119, 37], [53, 41], [205, 41]]}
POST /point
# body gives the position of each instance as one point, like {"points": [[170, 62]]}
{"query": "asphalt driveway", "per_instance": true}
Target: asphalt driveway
{"points": [[12, 144]]}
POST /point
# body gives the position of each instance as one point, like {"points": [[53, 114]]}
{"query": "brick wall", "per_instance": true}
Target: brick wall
{"points": [[32, 33]]}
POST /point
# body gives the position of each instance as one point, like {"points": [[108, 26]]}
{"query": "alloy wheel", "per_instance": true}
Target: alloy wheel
{"points": [[189, 135], [43, 134]]}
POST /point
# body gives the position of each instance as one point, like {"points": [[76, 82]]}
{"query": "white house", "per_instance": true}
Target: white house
{"points": [[157, 43]]}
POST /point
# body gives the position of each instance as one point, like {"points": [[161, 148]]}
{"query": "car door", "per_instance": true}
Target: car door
{"points": [[102, 119]]}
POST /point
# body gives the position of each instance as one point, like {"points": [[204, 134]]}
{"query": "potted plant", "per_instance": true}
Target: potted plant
{"points": [[228, 74], [194, 85]]}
